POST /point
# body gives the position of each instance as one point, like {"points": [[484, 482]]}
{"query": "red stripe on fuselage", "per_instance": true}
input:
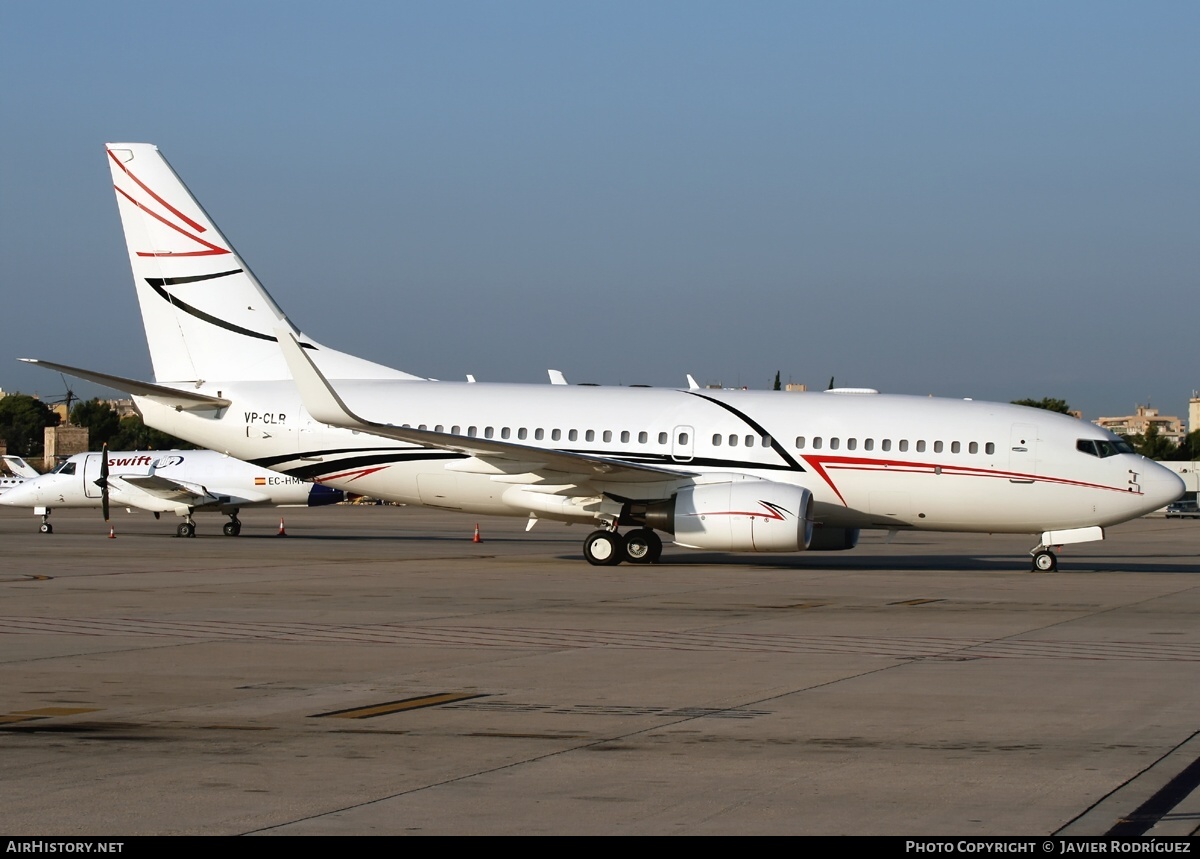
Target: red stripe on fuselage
{"points": [[854, 463]]}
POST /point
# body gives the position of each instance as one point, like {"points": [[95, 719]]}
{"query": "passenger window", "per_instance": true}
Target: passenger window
{"points": [[643, 438], [624, 436], [555, 434], [716, 439], [488, 432], [955, 447], [749, 441], [573, 435], [539, 434], [607, 436], [683, 438], [868, 444], [921, 446], [732, 440], [662, 438], [456, 430], [472, 431], [800, 442], [438, 428], [590, 435], [973, 447], [904, 445], [522, 433], [834, 443], [990, 449], [816, 442], [422, 427], [851, 443], [937, 447], [505, 432], [886, 444]]}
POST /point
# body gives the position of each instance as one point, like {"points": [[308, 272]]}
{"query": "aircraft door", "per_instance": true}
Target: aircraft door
{"points": [[91, 473], [682, 441], [1022, 453]]}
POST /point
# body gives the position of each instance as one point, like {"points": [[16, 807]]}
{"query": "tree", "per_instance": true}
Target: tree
{"points": [[1188, 450], [135, 435], [1048, 403], [23, 420], [101, 420], [1152, 445], [777, 387]]}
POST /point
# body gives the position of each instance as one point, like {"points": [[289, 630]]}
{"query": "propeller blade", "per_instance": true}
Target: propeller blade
{"points": [[103, 481]]}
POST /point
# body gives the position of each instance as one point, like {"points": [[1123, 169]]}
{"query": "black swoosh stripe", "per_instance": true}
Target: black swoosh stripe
{"points": [[315, 470], [775, 445], [172, 281], [156, 283]]}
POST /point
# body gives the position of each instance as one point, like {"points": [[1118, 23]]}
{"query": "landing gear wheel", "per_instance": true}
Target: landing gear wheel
{"points": [[46, 528], [1045, 562], [604, 548], [642, 546], [232, 529], [185, 529]]}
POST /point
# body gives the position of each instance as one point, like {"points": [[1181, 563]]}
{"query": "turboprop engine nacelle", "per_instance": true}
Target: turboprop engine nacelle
{"points": [[749, 516]]}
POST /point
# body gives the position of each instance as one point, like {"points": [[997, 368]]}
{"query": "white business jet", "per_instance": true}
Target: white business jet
{"points": [[737, 471], [182, 482], [19, 472]]}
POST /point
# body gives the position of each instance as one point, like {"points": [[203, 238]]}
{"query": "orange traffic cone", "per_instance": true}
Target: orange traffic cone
{"points": [[476, 538], [282, 530], [112, 534]]}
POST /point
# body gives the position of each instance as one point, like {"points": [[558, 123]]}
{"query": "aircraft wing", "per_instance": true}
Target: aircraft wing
{"points": [[326, 406], [170, 396], [155, 492]]}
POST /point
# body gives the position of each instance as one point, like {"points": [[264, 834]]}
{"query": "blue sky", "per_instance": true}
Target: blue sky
{"points": [[993, 200]]}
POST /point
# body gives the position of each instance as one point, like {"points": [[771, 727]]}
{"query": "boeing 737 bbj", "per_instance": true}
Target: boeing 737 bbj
{"points": [[738, 471]]}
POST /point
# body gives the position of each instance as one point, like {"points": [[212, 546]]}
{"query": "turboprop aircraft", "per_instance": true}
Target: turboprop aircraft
{"points": [[738, 471], [182, 482]]}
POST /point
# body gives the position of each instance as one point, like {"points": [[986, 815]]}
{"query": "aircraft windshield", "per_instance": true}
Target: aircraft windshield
{"points": [[1103, 447], [64, 468]]}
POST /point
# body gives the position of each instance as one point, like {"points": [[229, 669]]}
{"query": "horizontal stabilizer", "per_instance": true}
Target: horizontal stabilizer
{"points": [[170, 396]]}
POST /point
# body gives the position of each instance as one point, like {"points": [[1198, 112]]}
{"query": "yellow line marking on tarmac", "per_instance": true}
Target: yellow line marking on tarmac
{"points": [[398, 706]]}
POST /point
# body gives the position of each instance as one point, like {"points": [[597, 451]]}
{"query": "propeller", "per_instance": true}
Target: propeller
{"points": [[103, 481]]}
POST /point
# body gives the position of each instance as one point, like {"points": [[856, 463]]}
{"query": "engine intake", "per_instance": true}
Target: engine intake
{"points": [[744, 516]]}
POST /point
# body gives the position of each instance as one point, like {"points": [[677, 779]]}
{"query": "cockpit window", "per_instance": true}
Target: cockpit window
{"points": [[1102, 447], [65, 468]]}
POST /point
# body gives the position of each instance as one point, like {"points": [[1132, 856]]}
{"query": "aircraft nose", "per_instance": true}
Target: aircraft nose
{"points": [[22, 495], [1160, 485]]}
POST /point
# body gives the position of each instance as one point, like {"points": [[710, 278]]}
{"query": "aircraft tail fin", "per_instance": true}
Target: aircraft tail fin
{"points": [[19, 467], [206, 315]]}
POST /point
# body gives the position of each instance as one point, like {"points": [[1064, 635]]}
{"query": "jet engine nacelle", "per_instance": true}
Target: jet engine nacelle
{"points": [[833, 539], [750, 516]]}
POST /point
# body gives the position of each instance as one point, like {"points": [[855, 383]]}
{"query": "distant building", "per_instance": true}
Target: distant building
{"points": [[1194, 412], [1168, 426]]}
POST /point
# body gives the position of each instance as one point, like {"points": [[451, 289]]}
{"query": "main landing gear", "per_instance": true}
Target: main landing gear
{"points": [[1044, 561], [233, 527], [608, 548]]}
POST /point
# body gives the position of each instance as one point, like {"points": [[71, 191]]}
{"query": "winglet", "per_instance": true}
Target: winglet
{"points": [[317, 395]]}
